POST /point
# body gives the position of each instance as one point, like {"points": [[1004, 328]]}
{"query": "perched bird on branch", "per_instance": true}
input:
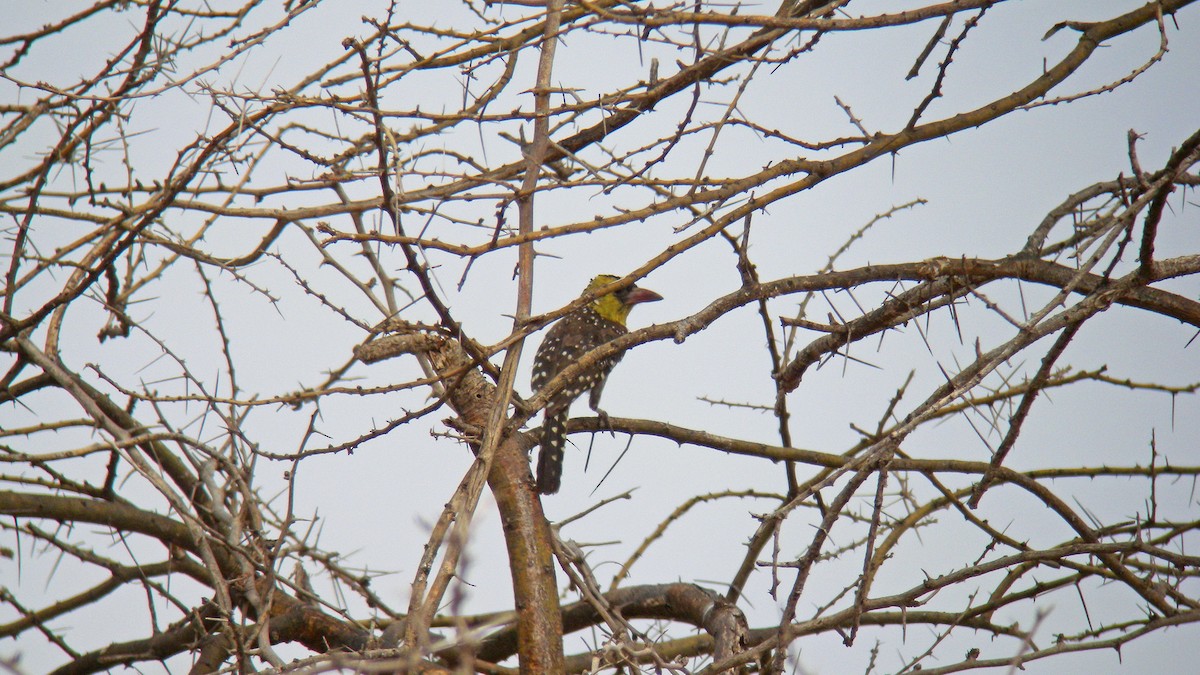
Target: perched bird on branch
{"points": [[600, 321]]}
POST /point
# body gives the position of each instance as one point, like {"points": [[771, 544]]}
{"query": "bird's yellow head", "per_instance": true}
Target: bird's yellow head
{"points": [[616, 306]]}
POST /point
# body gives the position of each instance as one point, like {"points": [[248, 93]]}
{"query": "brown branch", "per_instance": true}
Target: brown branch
{"points": [[1040, 378], [527, 532]]}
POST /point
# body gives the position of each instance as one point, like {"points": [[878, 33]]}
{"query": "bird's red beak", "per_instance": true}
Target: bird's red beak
{"points": [[637, 295]]}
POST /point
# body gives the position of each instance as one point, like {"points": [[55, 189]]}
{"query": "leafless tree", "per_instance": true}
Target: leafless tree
{"points": [[248, 244]]}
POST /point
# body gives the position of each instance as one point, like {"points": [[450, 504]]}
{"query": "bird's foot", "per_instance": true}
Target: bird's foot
{"points": [[605, 422]]}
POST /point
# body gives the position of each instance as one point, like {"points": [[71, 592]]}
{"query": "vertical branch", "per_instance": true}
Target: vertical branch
{"points": [[501, 461], [864, 585], [426, 597], [527, 533], [805, 564], [749, 274], [1181, 159], [1018, 419]]}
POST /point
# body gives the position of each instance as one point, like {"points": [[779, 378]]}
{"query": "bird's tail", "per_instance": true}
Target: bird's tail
{"points": [[550, 458]]}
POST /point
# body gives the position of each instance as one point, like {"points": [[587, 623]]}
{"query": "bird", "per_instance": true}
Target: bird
{"points": [[592, 325]]}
